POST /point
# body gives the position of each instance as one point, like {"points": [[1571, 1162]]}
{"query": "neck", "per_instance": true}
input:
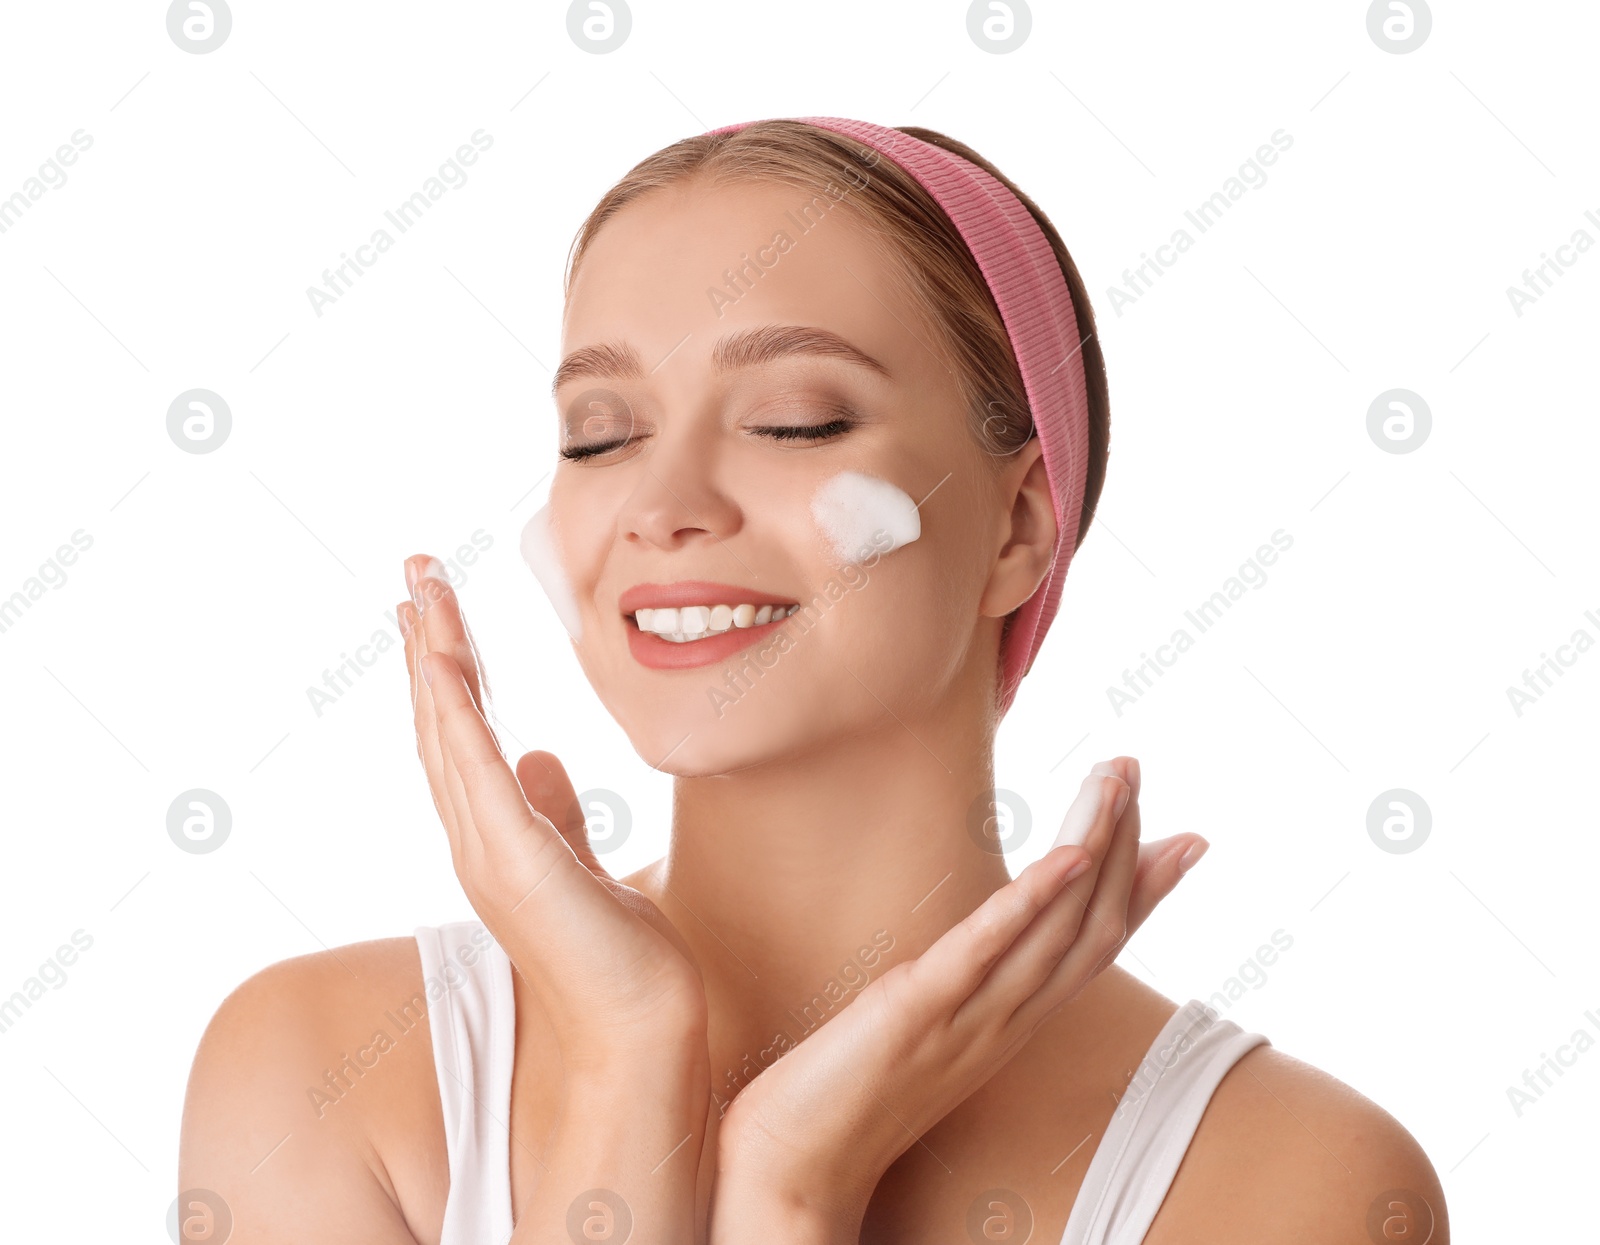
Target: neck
{"points": [[797, 883]]}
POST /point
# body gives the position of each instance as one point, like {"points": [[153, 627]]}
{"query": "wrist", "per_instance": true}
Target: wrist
{"points": [[666, 1054], [779, 1212]]}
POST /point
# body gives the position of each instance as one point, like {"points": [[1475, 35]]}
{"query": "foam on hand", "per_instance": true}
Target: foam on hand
{"points": [[855, 512], [540, 553]]}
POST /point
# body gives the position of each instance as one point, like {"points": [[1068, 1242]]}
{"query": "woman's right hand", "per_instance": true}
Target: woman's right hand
{"points": [[612, 973]]}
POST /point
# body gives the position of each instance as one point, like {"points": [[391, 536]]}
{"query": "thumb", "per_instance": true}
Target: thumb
{"points": [[545, 783]]}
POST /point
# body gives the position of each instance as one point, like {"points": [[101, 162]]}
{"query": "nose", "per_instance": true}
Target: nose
{"points": [[678, 496]]}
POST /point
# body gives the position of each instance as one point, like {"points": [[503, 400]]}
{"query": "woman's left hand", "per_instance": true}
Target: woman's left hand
{"points": [[802, 1147]]}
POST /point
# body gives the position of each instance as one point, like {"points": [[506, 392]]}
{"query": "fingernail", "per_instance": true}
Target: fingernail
{"points": [[426, 677], [431, 569], [1189, 857], [1122, 800], [1077, 870], [405, 623]]}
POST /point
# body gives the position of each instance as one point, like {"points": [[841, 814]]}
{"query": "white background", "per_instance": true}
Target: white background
{"points": [[412, 413]]}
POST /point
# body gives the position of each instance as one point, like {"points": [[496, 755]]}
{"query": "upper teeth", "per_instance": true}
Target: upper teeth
{"points": [[692, 622]]}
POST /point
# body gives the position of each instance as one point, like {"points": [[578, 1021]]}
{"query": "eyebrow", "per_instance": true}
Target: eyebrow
{"points": [[746, 348]]}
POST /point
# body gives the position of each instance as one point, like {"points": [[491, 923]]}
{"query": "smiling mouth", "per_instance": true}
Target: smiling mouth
{"points": [[689, 623]]}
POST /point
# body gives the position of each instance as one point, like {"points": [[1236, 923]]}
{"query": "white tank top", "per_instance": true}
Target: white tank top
{"points": [[472, 1016]]}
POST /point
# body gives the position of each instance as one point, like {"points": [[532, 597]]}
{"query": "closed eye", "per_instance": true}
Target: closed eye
{"points": [[809, 432], [779, 432], [576, 452]]}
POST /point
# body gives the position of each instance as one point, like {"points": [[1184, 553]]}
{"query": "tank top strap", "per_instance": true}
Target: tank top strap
{"points": [[466, 978], [1151, 1128]]}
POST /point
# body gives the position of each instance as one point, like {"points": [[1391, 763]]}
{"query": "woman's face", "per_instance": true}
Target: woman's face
{"points": [[690, 372]]}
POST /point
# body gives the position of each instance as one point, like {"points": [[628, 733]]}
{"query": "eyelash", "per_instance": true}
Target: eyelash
{"points": [[808, 432]]}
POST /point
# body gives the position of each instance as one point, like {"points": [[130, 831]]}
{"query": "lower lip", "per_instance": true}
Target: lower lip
{"points": [[651, 650]]}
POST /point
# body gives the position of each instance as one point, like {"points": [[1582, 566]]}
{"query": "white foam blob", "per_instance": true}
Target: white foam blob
{"points": [[543, 559], [856, 513]]}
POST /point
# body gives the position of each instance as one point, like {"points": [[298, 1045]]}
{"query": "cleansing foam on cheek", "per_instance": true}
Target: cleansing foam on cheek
{"points": [[856, 513], [543, 559]]}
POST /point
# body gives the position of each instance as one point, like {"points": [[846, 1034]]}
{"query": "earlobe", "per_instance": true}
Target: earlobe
{"points": [[1029, 538]]}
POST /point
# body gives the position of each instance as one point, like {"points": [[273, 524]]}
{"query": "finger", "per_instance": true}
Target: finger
{"points": [[442, 619], [1124, 767], [472, 745], [425, 722], [1120, 866], [546, 786], [1105, 923], [416, 648], [1108, 908], [526, 873], [956, 965], [445, 628], [1092, 821], [491, 803], [485, 695], [1104, 931], [406, 615], [1035, 953], [1160, 870]]}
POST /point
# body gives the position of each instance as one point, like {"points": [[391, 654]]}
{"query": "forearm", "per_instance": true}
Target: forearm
{"points": [[623, 1159]]}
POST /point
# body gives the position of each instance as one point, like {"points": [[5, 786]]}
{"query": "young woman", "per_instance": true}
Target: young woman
{"points": [[832, 420]]}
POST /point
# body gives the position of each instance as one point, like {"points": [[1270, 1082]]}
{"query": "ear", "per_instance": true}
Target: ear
{"points": [[1028, 536]]}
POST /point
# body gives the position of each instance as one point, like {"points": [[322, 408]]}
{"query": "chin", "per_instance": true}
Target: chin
{"points": [[688, 732], [799, 695]]}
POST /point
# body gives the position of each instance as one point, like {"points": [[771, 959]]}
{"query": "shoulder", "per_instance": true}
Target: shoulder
{"points": [[1286, 1151], [302, 1076]]}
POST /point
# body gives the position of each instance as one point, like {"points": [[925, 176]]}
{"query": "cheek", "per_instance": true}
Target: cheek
{"points": [[859, 515], [542, 554]]}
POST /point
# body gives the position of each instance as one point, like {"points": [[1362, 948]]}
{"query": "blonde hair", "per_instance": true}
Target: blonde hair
{"points": [[938, 270]]}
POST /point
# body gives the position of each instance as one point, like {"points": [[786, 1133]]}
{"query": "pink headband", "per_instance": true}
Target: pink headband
{"points": [[1023, 274]]}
